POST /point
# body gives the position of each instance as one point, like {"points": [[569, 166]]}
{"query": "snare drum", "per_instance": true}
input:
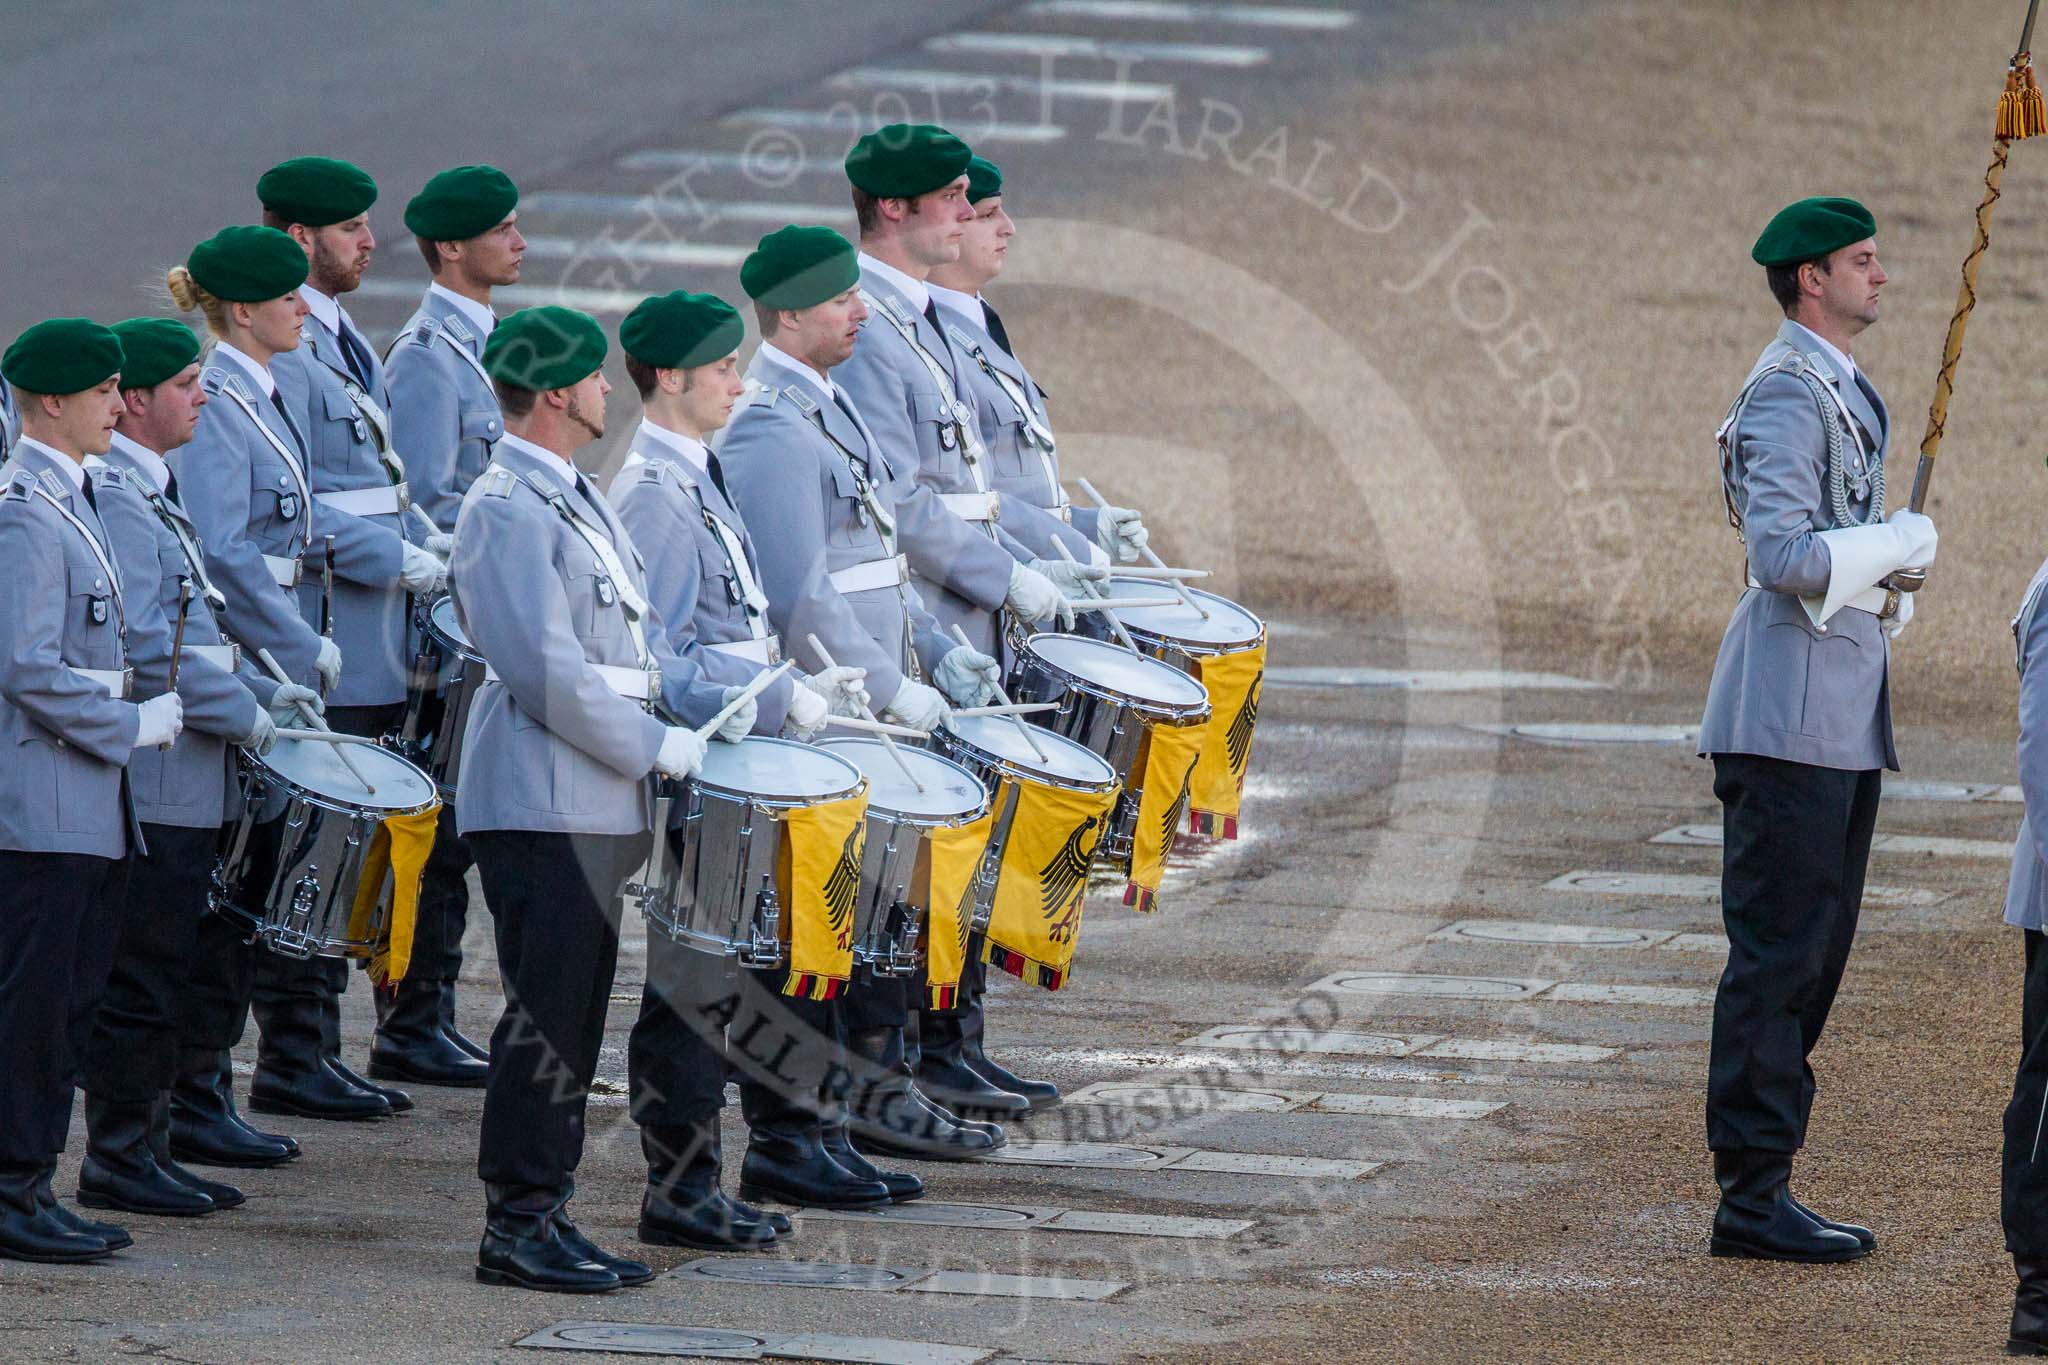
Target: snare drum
{"points": [[712, 883], [1177, 634], [895, 870], [1109, 699], [292, 882], [445, 677]]}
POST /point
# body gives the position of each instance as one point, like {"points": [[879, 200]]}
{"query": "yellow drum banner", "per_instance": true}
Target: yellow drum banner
{"points": [[951, 858], [1037, 918], [1216, 788], [1166, 762], [818, 872], [400, 847]]}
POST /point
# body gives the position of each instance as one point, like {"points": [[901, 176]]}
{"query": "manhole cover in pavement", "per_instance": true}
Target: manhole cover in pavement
{"points": [[944, 1215], [803, 1274], [1188, 1101], [1425, 983], [1558, 935], [646, 1338], [1113, 1154], [1273, 1039]]}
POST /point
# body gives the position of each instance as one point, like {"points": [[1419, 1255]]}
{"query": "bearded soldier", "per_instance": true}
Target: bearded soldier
{"points": [[1798, 716]]}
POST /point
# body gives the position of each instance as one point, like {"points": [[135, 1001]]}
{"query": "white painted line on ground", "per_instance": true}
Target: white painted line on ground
{"points": [[990, 1285], [1030, 1217], [1260, 1163], [1495, 1050], [1695, 943], [518, 295], [1406, 1106], [1150, 1225], [755, 1271], [1920, 789], [1135, 1157], [993, 83], [1691, 886], [827, 120], [779, 167], [715, 1343], [1709, 836], [712, 255], [708, 212], [1258, 1038], [876, 1350], [1058, 45], [1431, 983], [1171, 12], [1189, 1101], [1572, 733], [1592, 993], [1549, 935], [1430, 680]]}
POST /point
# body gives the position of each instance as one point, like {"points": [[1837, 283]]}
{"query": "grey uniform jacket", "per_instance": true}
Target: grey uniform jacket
{"points": [[193, 784], [370, 624], [798, 489], [1783, 687], [242, 478], [691, 579], [2026, 893], [549, 745], [63, 788], [1023, 466], [444, 416], [10, 420]]}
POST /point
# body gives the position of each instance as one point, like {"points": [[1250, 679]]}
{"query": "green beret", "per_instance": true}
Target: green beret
{"points": [[680, 330], [795, 267], [1810, 228], [153, 350], [544, 348], [904, 160], [984, 181], [316, 190], [63, 355], [248, 264], [462, 203]]}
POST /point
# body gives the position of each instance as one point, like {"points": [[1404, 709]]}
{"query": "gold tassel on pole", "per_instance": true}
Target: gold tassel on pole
{"points": [[2021, 111]]}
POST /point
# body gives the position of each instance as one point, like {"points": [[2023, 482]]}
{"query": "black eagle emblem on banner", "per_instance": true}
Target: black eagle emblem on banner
{"points": [[1237, 741], [1060, 881], [1177, 811], [844, 883]]}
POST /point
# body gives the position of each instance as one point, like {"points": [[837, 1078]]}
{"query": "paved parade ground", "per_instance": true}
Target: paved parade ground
{"points": [[1413, 321]]}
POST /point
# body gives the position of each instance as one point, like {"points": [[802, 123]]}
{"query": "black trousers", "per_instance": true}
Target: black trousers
{"points": [[132, 1053], [676, 1057], [1796, 842], [443, 913], [554, 906], [60, 914], [226, 965], [2023, 1187], [876, 1002]]}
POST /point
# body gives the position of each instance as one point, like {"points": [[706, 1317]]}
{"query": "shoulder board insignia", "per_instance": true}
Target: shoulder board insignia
{"points": [[804, 402], [54, 484], [762, 395], [1795, 361], [111, 476], [19, 486], [422, 330], [499, 481], [212, 378], [457, 328]]}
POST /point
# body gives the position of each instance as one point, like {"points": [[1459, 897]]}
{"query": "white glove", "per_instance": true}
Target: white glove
{"points": [[1897, 623], [162, 719], [844, 689], [1073, 580], [440, 544], [967, 676], [735, 726], [284, 703], [262, 736], [1119, 532], [682, 753], [1096, 555], [328, 664], [917, 706], [1916, 538], [807, 712], [421, 571], [1032, 595]]}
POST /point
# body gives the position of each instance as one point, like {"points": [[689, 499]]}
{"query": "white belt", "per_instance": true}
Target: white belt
{"points": [[285, 571], [970, 506], [766, 651], [634, 684], [227, 657], [389, 501], [119, 682], [876, 573]]}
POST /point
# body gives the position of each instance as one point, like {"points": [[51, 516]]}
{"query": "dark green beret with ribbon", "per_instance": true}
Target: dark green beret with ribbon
{"points": [[316, 190], [153, 350], [795, 267], [461, 203], [904, 160], [63, 355], [544, 348], [681, 330], [1811, 228], [984, 180], [248, 264]]}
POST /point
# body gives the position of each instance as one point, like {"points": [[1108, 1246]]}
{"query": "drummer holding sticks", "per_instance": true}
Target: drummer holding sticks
{"points": [[555, 799]]}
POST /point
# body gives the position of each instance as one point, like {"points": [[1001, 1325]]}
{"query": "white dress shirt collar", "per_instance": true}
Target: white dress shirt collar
{"points": [[692, 451], [323, 308], [966, 305], [914, 290], [803, 367], [562, 469], [260, 373], [1839, 358], [479, 317], [146, 459], [57, 457]]}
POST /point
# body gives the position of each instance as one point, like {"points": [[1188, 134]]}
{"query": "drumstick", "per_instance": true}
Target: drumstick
{"points": [[327, 736], [1004, 698], [1151, 555], [178, 642], [314, 719], [1031, 708], [1107, 615], [1158, 572], [825, 655], [875, 727], [752, 690], [425, 521], [1118, 603]]}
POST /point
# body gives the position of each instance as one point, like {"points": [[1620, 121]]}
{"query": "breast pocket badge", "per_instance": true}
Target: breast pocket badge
{"points": [[606, 593], [99, 611]]}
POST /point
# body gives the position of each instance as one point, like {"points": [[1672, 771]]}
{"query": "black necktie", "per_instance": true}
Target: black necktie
{"points": [[277, 401], [931, 315], [717, 477], [996, 330], [171, 488], [840, 399], [90, 500], [357, 354]]}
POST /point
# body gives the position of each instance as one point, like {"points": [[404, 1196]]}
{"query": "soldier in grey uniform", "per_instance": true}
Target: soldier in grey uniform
{"points": [[183, 794], [10, 419], [555, 798], [444, 421], [67, 823], [1798, 716], [820, 494], [2024, 1176]]}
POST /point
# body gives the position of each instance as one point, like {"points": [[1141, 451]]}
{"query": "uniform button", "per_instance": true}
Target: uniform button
{"points": [[99, 584], [282, 481]]}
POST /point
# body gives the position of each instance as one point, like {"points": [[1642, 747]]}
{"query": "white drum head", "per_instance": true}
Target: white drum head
{"points": [[1113, 668], [776, 770], [1229, 626], [314, 766], [1064, 760], [442, 615], [950, 791]]}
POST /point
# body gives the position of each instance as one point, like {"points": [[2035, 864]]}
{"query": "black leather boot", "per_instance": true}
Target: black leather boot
{"points": [[629, 1271], [330, 1054], [943, 1071], [30, 1230], [2029, 1333], [682, 1205], [901, 1185], [1856, 1230], [786, 1159], [450, 1031], [120, 1170], [888, 1116], [520, 1248], [205, 1128], [223, 1195], [411, 1046], [115, 1236], [1758, 1220], [292, 1076], [973, 1038]]}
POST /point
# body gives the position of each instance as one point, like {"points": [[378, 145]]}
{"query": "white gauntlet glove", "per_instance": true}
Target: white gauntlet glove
{"points": [[682, 753], [421, 571], [262, 736], [844, 689], [328, 664], [440, 544], [1073, 580], [807, 712], [162, 720], [284, 703], [1120, 533], [1916, 538], [1032, 595], [967, 676], [735, 727], [1898, 621], [917, 706]]}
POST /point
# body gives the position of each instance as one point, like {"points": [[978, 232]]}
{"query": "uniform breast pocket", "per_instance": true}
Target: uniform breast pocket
{"points": [[1013, 459], [718, 592], [1810, 682], [346, 427], [480, 427], [847, 521], [92, 609], [594, 606], [934, 419]]}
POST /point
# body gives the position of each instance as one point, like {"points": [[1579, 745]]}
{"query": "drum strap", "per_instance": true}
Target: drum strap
{"points": [[99, 552], [885, 521], [964, 427], [285, 452], [630, 601], [1036, 434], [379, 423], [216, 600], [751, 597]]}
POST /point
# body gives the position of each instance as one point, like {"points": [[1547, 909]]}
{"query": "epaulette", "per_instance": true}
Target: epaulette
{"points": [[664, 471], [806, 404], [458, 329], [897, 310], [214, 379], [54, 484], [498, 481], [761, 395], [20, 485], [112, 476], [423, 331]]}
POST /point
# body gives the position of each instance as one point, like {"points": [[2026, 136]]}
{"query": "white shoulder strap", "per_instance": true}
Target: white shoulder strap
{"points": [[99, 551], [284, 451], [964, 425]]}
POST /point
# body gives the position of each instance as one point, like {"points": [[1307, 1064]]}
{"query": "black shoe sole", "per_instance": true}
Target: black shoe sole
{"points": [[92, 1199], [271, 1106], [507, 1280], [69, 1258], [1723, 1246], [661, 1238], [759, 1194], [194, 1157], [868, 1146], [2015, 1347], [390, 1071]]}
